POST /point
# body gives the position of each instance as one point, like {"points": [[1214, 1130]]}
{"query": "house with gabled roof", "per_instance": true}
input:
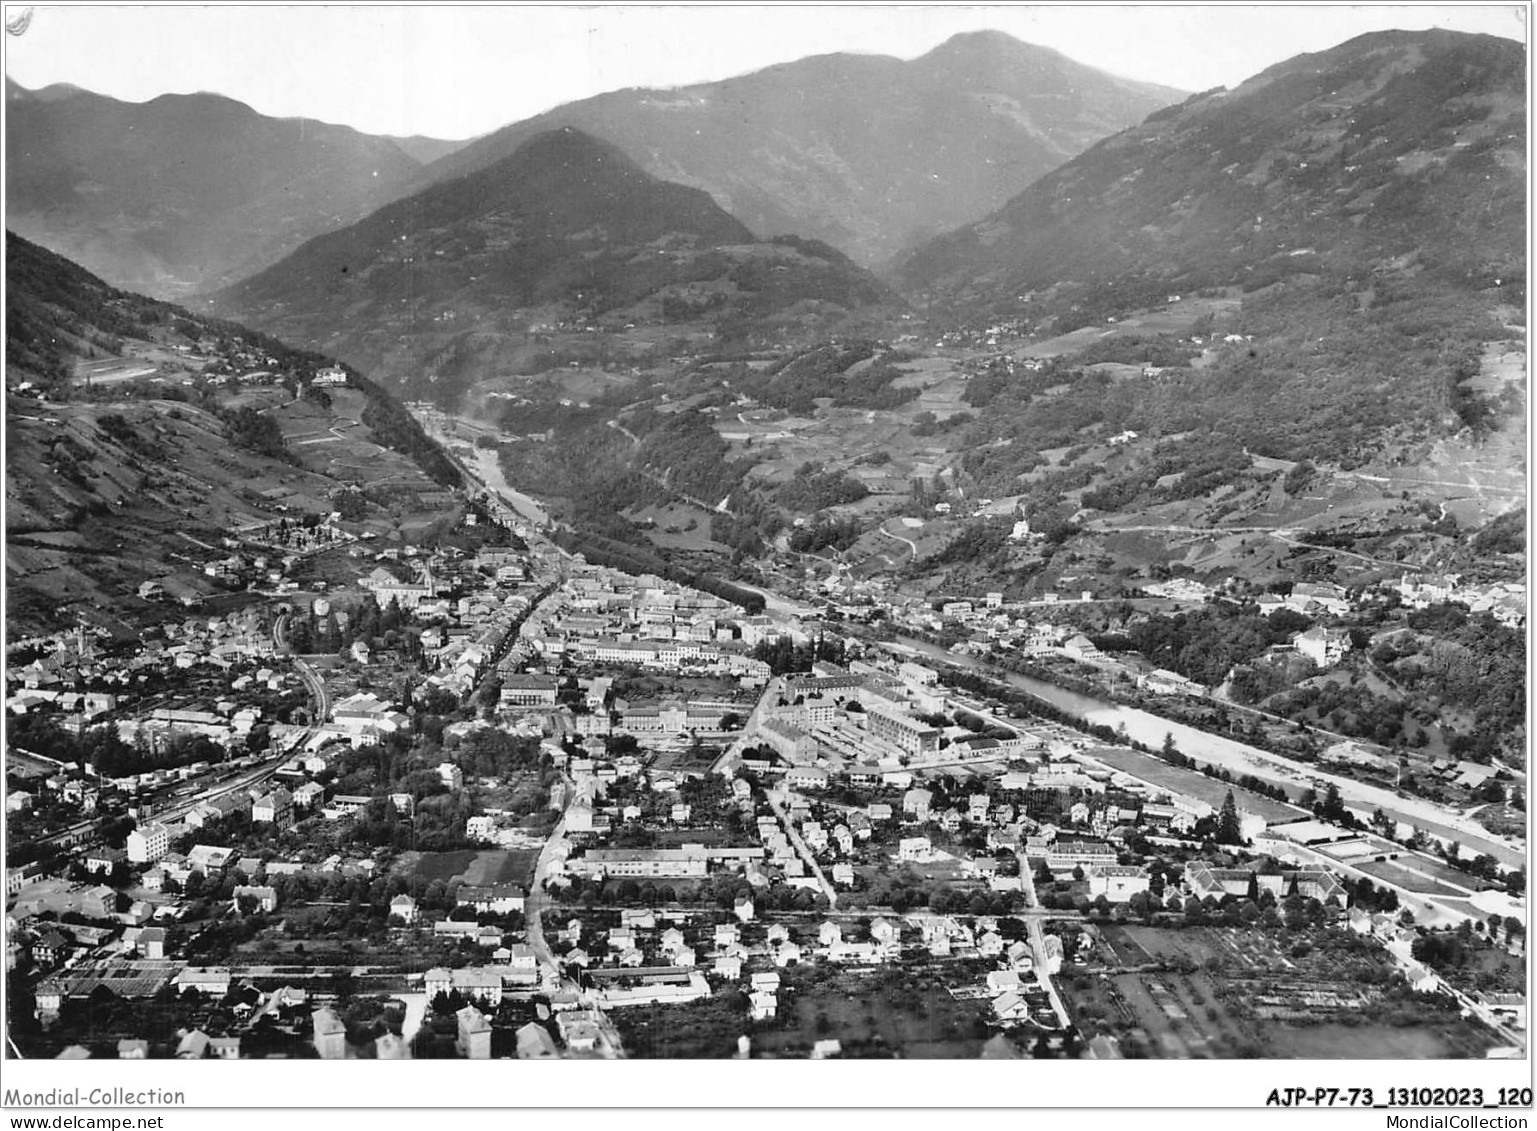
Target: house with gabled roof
{"points": [[1011, 1006], [536, 1043]]}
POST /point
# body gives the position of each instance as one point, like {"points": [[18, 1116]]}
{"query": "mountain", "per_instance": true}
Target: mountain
{"points": [[188, 193], [184, 190], [566, 232], [140, 436], [1336, 163], [1327, 263], [867, 153]]}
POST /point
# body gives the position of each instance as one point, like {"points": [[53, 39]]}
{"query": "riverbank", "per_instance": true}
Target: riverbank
{"points": [[1225, 753], [484, 466]]}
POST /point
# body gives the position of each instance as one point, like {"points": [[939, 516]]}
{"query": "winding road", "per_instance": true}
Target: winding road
{"points": [[908, 542], [1284, 535]]}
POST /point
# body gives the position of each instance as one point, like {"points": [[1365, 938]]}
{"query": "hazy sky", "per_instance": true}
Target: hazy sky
{"points": [[456, 72]]}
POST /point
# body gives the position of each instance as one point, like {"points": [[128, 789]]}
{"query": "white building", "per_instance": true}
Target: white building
{"points": [[1324, 646], [148, 843], [1116, 882]]}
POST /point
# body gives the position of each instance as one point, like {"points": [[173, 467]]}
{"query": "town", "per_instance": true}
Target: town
{"points": [[483, 799]]}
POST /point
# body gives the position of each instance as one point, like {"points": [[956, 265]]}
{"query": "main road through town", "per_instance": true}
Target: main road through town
{"points": [[1038, 946]]}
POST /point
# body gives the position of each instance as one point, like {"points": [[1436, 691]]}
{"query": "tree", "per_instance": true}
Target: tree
{"points": [[488, 697], [1229, 830], [1441, 950], [1491, 791], [331, 634], [391, 618], [1297, 477], [1332, 807]]}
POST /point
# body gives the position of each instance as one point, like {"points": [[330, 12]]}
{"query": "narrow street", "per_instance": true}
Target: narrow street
{"points": [[802, 850], [553, 852], [1038, 945]]}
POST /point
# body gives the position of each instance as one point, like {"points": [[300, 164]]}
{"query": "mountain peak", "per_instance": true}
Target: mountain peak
{"points": [[993, 49], [1386, 41], [984, 39]]}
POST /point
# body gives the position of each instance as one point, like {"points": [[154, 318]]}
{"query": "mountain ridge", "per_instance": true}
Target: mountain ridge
{"points": [[860, 151], [1200, 190], [174, 192]]}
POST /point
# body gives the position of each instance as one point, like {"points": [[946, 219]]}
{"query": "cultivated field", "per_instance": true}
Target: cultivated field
{"points": [[891, 1012], [1245, 992], [334, 442], [1176, 318], [1412, 879], [1194, 784], [677, 526]]}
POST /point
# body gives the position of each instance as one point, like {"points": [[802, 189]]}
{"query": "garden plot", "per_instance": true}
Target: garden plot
{"points": [[1230, 992]]}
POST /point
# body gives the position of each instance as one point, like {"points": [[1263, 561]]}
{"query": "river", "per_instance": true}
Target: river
{"points": [[483, 465], [488, 469], [1240, 758]]}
